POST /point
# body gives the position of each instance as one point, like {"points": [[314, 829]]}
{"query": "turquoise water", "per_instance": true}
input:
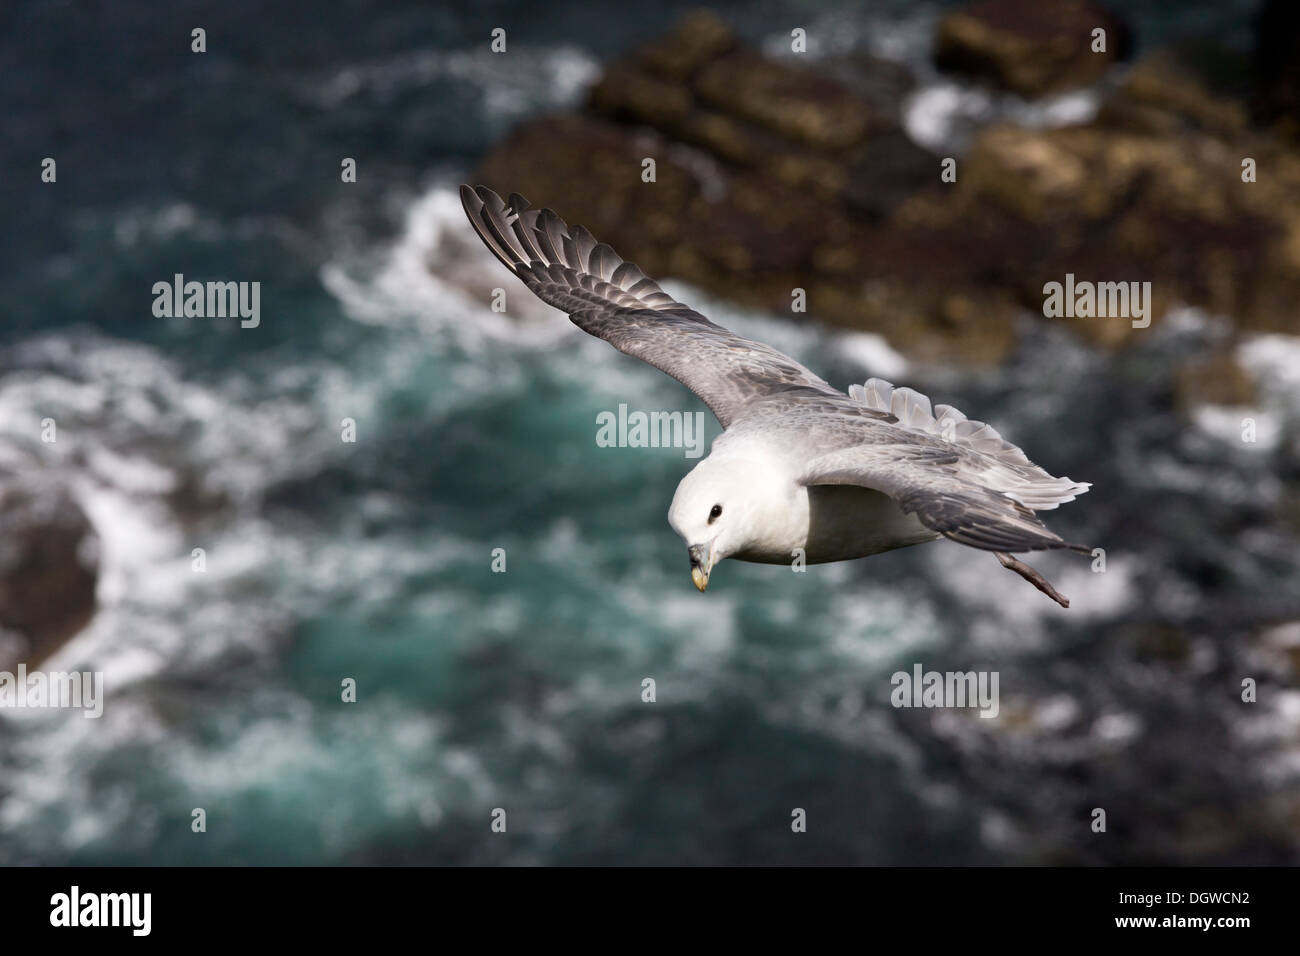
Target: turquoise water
{"points": [[522, 690]]}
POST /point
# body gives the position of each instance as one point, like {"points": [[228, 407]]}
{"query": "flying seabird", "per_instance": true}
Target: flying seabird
{"points": [[801, 469]]}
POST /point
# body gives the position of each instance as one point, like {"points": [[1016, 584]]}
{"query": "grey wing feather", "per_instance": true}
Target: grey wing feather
{"points": [[986, 457], [614, 300], [935, 484]]}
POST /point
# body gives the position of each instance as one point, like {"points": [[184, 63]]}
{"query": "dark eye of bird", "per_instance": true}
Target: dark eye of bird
{"points": [[717, 510]]}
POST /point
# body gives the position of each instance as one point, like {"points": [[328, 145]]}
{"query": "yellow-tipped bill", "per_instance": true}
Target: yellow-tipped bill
{"points": [[701, 564]]}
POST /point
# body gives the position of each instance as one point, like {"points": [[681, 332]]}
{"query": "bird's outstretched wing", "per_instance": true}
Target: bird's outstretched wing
{"points": [[957, 475], [614, 300], [932, 488]]}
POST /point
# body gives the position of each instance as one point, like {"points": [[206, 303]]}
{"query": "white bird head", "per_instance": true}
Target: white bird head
{"points": [[714, 510]]}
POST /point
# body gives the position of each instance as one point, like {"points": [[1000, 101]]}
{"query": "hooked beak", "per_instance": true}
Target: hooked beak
{"points": [[701, 564]]}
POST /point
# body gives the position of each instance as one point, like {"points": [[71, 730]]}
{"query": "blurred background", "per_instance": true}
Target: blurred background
{"points": [[476, 430]]}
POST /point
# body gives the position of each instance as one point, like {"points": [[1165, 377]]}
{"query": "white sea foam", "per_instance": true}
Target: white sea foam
{"points": [[1273, 361], [511, 85], [943, 115], [942, 112], [902, 36]]}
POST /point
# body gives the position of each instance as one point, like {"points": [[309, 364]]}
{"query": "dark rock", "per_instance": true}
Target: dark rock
{"points": [[698, 39], [1213, 380], [1195, 86], [873, 78], [630, 94], [1277, 60], [1027, 46], [48, 566], [760, 238], [1120, 206], [793, 102], [772, 176]]}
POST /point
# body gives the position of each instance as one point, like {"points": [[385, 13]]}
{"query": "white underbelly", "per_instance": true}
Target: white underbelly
{"points": [[846, 521]]}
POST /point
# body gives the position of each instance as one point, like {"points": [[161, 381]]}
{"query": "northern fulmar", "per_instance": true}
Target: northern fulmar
{"points": [[801, 471]]}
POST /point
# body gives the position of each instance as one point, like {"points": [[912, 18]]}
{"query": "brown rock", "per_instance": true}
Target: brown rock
{"points": [[758, 237], [1027, 46], [773, 176], [793, 102], [1213, 380], [700, 37], [1179, 88], [1119, 206], [48, 565], [628, 93]]}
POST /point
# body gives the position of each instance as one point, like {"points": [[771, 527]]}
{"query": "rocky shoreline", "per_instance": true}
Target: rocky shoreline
{"points": [[777, 174]]}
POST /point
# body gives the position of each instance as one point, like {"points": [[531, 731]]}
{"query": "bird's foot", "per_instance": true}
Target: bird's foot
{"points": [[1033, 577]]}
